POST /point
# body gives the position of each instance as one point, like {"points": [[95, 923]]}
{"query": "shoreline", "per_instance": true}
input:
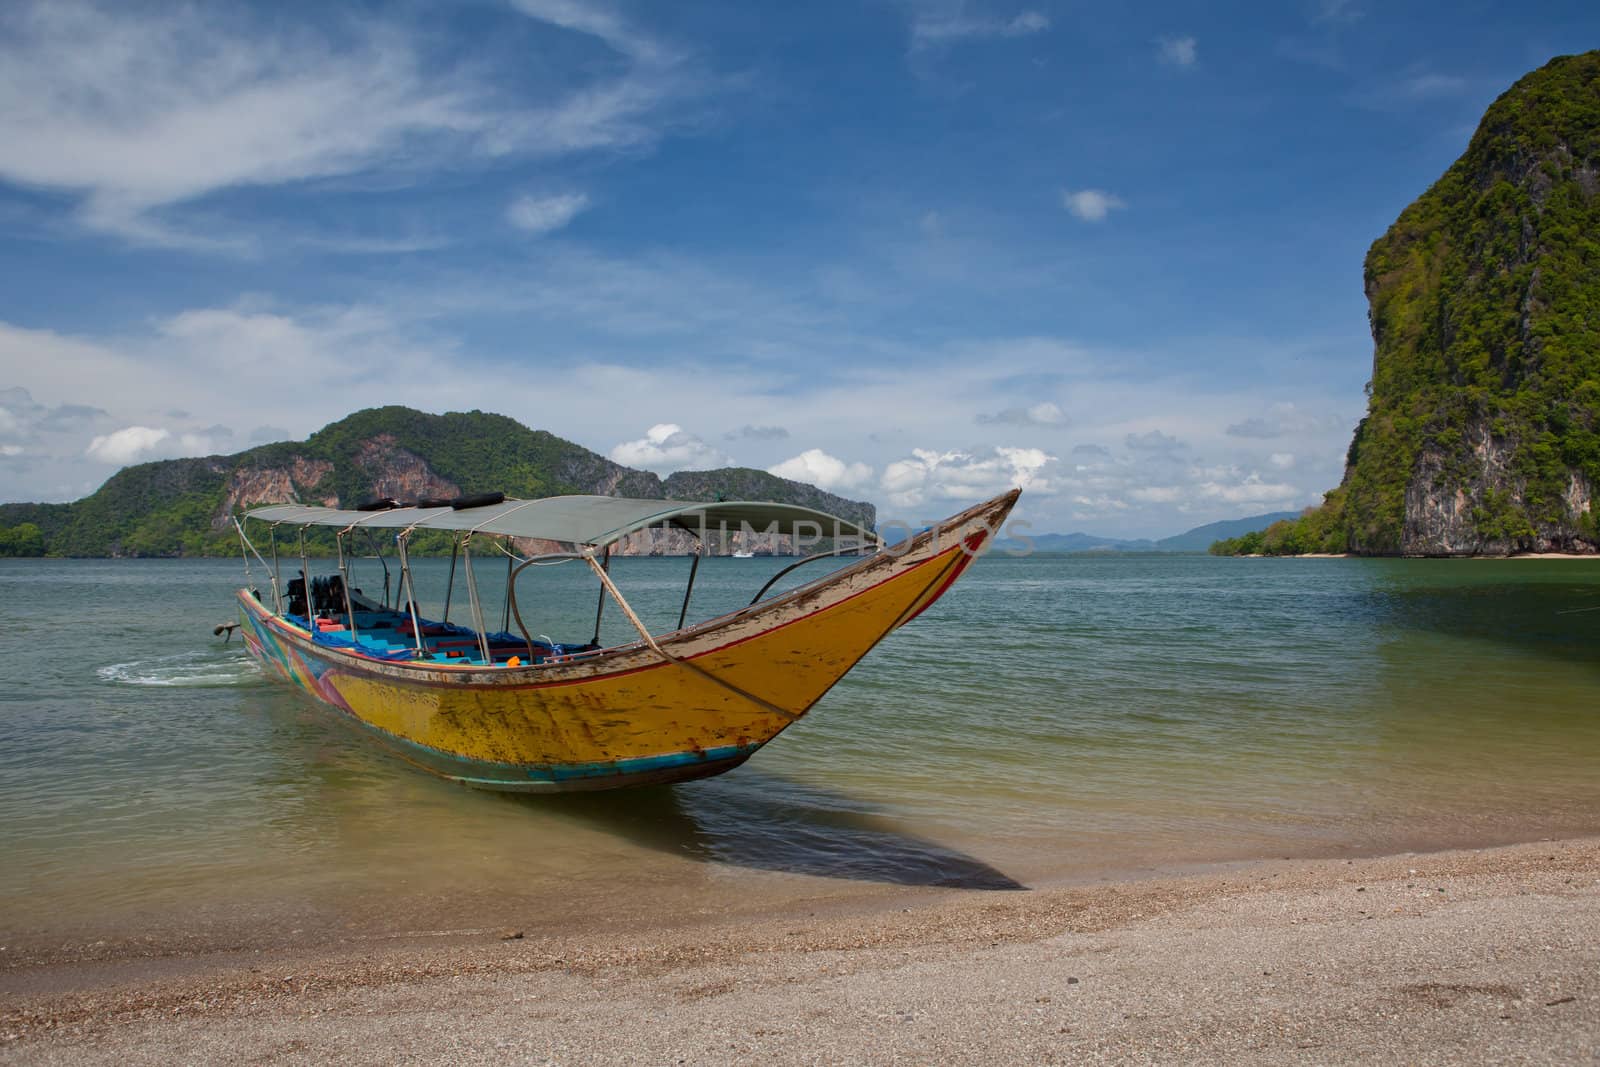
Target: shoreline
{"points": [[1351, 555], [1402, 957]]}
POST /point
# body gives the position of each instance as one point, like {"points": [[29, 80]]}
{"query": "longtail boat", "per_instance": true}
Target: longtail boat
{"points": [[511, 711]]}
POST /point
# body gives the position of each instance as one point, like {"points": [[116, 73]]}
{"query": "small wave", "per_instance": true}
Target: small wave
{"points": [[197, 669]]}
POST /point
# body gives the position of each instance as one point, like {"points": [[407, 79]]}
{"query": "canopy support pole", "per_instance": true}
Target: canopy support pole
{"points": [[277, 569], [409, 588], [505, 613], [344, 574], [699, 550], [272, 575], [377, 550], [449, 587], [305, 582], [472, 599], [600, 606]]}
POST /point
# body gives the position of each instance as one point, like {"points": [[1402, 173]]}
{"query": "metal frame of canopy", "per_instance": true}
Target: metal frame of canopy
{"points": [[593, 522]]}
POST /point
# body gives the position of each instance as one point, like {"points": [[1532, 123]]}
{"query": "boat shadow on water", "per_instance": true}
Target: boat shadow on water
{"points": [[766, 822]]}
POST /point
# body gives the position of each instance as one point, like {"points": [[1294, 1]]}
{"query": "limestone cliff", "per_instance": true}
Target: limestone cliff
{"points": [[1481, 434]]}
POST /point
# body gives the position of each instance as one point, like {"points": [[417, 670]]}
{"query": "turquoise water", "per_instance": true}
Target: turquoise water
{"points": [[1051, 719]]}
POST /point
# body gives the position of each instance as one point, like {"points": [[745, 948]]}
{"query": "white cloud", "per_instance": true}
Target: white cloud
{"points": [[1045, 414], [667, 447], [1252, 490], [818, 468], [126, 445], [539, 215], [1091, 205], [1179, 51], [962, 475], [1282, 460], [138, 110], [1153, 441], [134, 443], [948, 23], [688, 325]]}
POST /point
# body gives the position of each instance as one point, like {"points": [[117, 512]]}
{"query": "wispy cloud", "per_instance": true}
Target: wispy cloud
{"points": [[1416, 88], [1178, 51], [1428, 86], [139, 111], [1045, 414], [1335, 12], [1153, 441], [544, 214], [757, 433], [597, 20], [946, 24], [1091, 205], [1284, 420]]}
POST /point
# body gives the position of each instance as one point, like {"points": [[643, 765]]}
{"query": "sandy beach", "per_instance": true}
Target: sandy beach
{"points": [[1470, 956]]}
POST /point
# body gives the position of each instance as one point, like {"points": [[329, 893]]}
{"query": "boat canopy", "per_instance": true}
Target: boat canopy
{"points": [[595, 521]]}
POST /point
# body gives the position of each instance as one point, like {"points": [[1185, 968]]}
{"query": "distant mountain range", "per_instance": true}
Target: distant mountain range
{"points": [[1196, 540]]}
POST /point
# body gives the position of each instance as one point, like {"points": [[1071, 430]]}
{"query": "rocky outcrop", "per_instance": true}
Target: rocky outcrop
{"points": [[400, 473], [1452, 511], [294, 483]]}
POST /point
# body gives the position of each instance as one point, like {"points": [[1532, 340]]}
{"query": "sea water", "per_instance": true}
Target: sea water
{"points": [[1052, 719]]}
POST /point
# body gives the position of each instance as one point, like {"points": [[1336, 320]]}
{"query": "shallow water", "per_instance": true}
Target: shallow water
{"points": [[1051, 719]]}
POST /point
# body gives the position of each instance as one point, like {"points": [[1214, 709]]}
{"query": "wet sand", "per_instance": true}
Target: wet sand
{"points": [[1486, 955]]}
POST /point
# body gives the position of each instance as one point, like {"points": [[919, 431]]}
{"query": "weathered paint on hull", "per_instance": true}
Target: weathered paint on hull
{"points": [[629, 716]]}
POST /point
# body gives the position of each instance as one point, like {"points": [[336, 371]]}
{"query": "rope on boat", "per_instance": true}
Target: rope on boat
{"points": [[644, 631]]}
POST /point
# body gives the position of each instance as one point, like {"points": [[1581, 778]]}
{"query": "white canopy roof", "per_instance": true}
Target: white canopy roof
{"points": [[582, 520]]}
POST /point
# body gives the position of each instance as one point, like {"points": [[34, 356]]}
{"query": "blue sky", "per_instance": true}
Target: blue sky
{"points": [[914, 251]]}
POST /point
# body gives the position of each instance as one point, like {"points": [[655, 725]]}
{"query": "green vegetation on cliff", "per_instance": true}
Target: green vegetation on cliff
{"points": [[1482, 431], [184, 506]]}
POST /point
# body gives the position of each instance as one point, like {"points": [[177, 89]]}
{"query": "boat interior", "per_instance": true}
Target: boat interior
{"points": [[391, 634], [334, 613]]}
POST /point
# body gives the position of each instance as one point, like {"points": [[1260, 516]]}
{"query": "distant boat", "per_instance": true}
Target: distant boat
{"points": [[512, 711], [744, 554]]}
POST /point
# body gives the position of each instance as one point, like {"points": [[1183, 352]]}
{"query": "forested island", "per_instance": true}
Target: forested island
{"points": [[1482, 432], [185, 507]]}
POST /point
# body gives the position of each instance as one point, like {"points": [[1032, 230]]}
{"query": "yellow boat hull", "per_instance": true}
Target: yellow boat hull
{"points": [[700, 702]]}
